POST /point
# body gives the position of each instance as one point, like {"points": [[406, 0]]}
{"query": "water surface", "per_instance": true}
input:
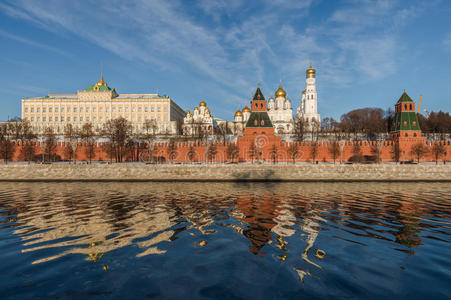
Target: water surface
{"points": [[225, 240]]}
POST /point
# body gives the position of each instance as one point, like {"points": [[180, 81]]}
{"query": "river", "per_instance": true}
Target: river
{"points": [[225, 240]]}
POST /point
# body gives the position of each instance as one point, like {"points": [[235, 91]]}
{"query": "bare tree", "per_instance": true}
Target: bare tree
{"points": [[300, 127], [191, 154], [395, 152], [118, 132], [293, 151], [334, 150], [418, 150], [273, 153], [49, 144], [252, 152], [150, 130], [314, 151], [232, 151], [71, 135], [357, 152], [172, 150], [211, 153], [87, 136], [7, 146], [438, 150]]}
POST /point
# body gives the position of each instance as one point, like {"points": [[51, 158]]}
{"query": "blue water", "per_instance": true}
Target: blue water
{"points": [[225, 240]]}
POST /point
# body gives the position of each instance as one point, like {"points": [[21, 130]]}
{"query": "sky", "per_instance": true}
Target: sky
{"points": [[365, 52]]}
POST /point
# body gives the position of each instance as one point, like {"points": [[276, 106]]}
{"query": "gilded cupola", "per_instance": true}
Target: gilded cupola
{"points": [[238, 113], [202, 103], [310, 73], [280, 92], [246, 109]]}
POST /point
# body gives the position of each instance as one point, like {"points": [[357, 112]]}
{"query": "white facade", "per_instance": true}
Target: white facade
{"points": [[280, 112], [309, 102], [198, 123], [96, 105]]}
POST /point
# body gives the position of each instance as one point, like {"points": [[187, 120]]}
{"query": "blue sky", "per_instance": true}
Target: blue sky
{"points": [[365, 52]]}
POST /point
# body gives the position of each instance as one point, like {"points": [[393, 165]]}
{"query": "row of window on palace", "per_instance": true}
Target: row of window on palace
{"points": [[93, 119], [94, 109], [60, 129]]}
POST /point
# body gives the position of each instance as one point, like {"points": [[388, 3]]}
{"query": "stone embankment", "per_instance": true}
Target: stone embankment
{"points": [[240, 172]]}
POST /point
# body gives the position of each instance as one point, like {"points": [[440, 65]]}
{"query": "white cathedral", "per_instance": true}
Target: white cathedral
{"points": [[279, 111]]}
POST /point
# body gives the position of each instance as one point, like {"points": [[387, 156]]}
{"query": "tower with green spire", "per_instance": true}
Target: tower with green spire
{"points": [[405, 126]]}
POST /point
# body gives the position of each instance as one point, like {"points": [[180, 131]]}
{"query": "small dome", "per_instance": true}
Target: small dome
{"points": [[238, 113], [188, 112], [246, 109], [310, 73], [101, 82], [196, 108], [202, 103], [280, 92]]}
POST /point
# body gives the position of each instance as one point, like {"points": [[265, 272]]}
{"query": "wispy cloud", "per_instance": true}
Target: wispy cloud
{"points": [[234, 43]]}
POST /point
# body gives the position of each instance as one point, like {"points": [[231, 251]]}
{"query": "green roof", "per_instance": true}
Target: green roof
{"points": [[259, 116], [404, 98], [406, 120], [258, 95], [102, 88]]}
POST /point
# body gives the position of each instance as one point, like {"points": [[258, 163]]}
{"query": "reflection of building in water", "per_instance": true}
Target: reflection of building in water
{"points": [[96, 226], [259, 214], [284, 221]]}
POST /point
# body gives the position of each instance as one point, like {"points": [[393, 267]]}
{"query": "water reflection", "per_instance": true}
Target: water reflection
{"points": [[305, 226]]}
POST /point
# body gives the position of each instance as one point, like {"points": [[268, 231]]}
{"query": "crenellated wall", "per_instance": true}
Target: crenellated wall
{"points": [[265, 146]]}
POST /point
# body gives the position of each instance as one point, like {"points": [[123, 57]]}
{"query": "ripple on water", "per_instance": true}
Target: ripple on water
{"points": [[224, 240]]}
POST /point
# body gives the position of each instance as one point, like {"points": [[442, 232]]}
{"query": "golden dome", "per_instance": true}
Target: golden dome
{"points": [[196, 108], [101, 82], [188, 112], [280, 92], [310, 73], [246, 109], [202, 103], [238, 113]]}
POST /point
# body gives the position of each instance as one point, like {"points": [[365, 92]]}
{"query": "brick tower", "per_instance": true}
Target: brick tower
{"points": [[259, 130]]}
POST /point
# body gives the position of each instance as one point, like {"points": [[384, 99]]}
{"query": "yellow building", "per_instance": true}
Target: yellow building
{"points": [[99, 103]]}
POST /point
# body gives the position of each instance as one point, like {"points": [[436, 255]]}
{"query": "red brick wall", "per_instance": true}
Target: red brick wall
{"points": [[264, 144]]}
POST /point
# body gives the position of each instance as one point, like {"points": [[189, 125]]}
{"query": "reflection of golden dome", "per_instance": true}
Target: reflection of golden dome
{"points": [[238, 113], [196, 108], [246, 109], [310, 73], [101, 82], [202, 103], [280, 92]]}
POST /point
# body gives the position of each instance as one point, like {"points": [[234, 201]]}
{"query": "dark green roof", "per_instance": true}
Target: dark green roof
{"points": [[102, 88], [258, 95], [404, 98], [259, 116], [410, 117]]}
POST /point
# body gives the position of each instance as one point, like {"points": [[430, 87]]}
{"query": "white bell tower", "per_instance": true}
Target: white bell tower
{"points": [[309, 102]]}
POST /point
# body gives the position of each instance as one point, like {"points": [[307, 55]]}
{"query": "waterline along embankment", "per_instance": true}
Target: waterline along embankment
{"points": [[221, 172]]}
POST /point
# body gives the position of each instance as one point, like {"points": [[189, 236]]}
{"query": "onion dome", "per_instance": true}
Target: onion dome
{"points": [[196, 108], [310, 73], [188, 112], [238, 113], [207, 111], [202, 103], [246, 109], [280, 92]]}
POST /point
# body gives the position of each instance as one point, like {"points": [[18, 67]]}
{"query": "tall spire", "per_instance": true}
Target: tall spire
{"points": [[101, 71]]}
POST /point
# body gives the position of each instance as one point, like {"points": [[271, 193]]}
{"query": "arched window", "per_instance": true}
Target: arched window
{"points": [[405, 106], [414, 134], [256, 105], [410, 106], [262, 122], [406, 134], [255, 122], [261, 105]]}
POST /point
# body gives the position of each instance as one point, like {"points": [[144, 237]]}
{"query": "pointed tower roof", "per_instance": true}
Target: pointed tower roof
{"points": [[258, 94], [405, 98]]}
